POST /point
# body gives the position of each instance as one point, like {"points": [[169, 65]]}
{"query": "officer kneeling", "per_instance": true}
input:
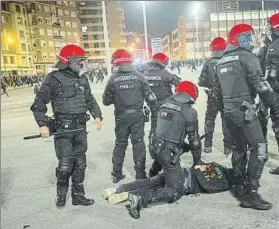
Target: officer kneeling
{"points": [[69, 92], [176, 120]]}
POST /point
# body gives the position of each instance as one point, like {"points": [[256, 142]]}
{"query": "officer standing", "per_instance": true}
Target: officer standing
{"points": [[70, 95], [272, 71], [239, 79], [176, 120], [218, 45], [127, 89], [160, 82]]}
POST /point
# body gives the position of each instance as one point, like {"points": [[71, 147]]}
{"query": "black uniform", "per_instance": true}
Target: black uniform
{"points": [[70, 97], [272, 76], [160, 82], [213, 105], [239, 79], [127, 89], [176, 120]]}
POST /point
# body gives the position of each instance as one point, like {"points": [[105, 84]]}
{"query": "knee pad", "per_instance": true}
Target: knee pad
{"points": [[209, 125], [62, 176], [137, 141], [66, 165], [122, 145]]}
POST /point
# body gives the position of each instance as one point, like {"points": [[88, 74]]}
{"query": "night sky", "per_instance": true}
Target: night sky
{"points": [[162, 15]]}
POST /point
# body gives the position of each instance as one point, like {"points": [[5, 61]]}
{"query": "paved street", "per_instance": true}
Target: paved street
{"points": [[28, 180]]}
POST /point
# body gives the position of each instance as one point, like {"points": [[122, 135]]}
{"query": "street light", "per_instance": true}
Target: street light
{"points": [[10, 40], [145, 28], [106, 38], [196, 10], [137, 40]]}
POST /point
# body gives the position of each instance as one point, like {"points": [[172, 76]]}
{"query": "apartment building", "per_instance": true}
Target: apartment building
{"points": [[90, 14], [198, 48], [221, 23], [229, 5], [167, 44], [52, 26], [15, 38], [34, 32]]}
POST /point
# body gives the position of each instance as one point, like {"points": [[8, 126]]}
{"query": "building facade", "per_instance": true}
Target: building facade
{"points": [[37, 31], [90, 14], [219, 24]]}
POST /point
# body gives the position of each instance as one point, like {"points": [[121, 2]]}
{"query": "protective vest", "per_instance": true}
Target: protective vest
{"points": [[69, 97], [232, 78], [272, 64], [171, 122], [127, 91], [159, 84], [211, 71]]}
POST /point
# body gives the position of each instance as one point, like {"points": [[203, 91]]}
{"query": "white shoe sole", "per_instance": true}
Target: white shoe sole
{"points": [[118, 198], [108, 192]]}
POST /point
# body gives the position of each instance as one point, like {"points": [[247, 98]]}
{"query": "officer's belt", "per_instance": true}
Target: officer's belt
{"points": [[76, 120], [129, 111]]}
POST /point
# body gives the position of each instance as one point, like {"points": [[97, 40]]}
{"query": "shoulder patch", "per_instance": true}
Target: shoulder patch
{"points": [[171, 106], [228, 59]]}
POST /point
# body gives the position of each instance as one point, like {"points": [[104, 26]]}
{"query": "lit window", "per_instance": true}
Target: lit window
{"points": [[48, 21], [67, 14], [40, 20], [43, 44], [52, 55], [23, 60], [84, 29], [46, 9], [42, 32], [69, 34], [60, 12], [21, 34], [73, 14], [50, 44], [68, 24], [49, 32], [72, 4], [23, 47], [75, 35], [62, 33], [74, 24]]}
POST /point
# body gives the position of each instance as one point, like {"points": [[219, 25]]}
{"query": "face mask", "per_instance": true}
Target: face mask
{"points": [[78, 65], [246, 40]]}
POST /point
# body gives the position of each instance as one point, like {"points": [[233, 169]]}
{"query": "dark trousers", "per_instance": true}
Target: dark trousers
{"points": [[144, 185], [70, 150], [129, 124], [243, 133], [174, 179], [210, 116]]}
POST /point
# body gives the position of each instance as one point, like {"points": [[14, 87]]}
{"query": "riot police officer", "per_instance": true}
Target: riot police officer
{"points": [[127, 89], [70, 95], [160, 82], [272, 71], [218, 45], [176, 120], [239, 79]]}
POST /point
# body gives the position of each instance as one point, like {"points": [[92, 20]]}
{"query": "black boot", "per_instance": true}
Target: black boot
{"points": [[136, 203], [78, 194], [62, 187], [117, 177], [274, 171], [60, 200], [253, 200], [80, 199]]}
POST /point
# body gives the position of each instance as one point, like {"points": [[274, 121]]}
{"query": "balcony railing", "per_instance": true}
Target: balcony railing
{"points": [[58, 37], [56, 25]]}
